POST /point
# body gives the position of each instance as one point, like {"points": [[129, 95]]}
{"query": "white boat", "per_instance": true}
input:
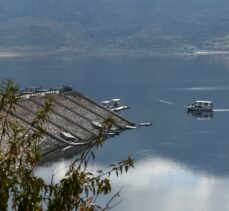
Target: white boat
{"points": [[97, 124], [200, 105], [111, 133], [144, 124], [67, 136], [120, 108], [130, 127], [111, 103], [114, 105]]}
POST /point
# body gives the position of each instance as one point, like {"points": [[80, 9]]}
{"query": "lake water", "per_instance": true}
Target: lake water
{"points": [[181, 161]]}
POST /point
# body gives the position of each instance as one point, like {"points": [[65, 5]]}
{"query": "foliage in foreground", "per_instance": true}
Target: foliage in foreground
{"points": [[19, 153]]}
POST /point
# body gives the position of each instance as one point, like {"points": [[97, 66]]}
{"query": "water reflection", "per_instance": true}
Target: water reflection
{"points": [[160, 184], [201, 115], [61, 152], [189, 168], [165, 185]]}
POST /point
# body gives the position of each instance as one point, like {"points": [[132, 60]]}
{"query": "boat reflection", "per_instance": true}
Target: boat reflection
{"points": [[201, 115]]}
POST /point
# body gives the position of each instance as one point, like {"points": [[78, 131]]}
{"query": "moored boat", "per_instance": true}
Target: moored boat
{"points": [[114, 105], [130, 127], [120, 108], [67, 136], [141, 124], [97, 124]]}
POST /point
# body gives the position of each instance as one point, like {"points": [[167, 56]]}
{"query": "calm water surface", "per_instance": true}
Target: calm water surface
{"points": [[182, 162]]}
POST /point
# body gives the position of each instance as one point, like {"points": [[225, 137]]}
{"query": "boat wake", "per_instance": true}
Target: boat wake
{"points": [[221, 110], [166, 102], [203, 88], [207, 53], [208, 88]]}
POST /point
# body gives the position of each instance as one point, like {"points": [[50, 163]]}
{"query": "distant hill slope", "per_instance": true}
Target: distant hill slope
{"points": [[72, 26]]}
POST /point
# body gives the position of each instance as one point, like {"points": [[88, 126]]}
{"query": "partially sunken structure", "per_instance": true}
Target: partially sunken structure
{"points": [[74, 119]]}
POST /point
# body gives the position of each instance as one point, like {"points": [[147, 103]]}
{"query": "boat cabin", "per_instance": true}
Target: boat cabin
{"points": [[113, 103], [106, 102], [200, 105]]}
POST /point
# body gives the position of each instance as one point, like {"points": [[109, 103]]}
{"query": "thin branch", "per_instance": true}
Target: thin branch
{"points": [[116, 195]]}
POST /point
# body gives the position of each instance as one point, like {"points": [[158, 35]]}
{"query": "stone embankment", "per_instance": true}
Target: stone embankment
{"points": [[73, 114]]}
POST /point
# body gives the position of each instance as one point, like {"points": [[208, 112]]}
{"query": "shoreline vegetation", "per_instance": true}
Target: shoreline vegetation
{"points": [[20, 149]]}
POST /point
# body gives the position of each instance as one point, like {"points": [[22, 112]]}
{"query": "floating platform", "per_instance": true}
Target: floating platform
{"points": [[72, 114]]}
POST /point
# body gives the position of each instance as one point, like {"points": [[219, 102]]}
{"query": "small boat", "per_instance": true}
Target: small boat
{"points": [[114, 105], [97, 124], [200, 105], [144, 124], [111, 134], [67, 136], [74, 144], [120, 108], [130, 127]]}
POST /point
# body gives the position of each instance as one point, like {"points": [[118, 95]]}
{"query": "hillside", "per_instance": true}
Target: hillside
{"points": [[76, 26]]}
